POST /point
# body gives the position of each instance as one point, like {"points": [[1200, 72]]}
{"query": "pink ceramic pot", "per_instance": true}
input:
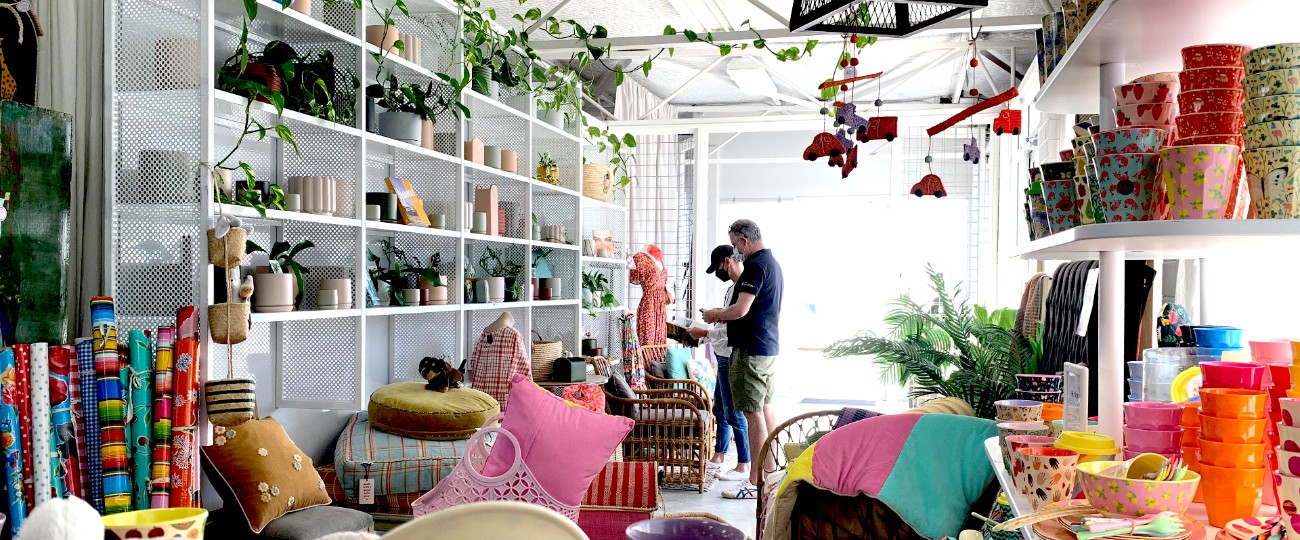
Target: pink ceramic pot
{"points": [[1152, 92], [1152, 415], [1211, 100], [1214, 55], [1232, 375], [1153, 441], [1210, 77], [1133, 140], [1215, 123], [1129, 187], [1198, 179]]}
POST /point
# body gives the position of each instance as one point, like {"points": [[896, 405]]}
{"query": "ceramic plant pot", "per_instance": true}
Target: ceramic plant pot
{"points": [[1210, 77], [1159, 115], [438, 295], [273, 293], [1273, 176], [1198, 180], [382, 36], [1213, 55], [1062, 205], [554, 284], [496, 289], [1129, 186], [1152, 92], [344, 288], [427, 133], [1045, 475], [1212, 100], [553, 117], [1272, 83], [387, 203], [1272, 108], [1204, 124], [1133, 140], [1272, 57], [301, 6], [401, 126], [1270, 134]]}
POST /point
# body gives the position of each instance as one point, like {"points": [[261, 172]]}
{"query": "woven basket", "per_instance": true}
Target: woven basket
{"points": [[596, 181], [228, 323], [230, 402], [544, 355], [227, 251]]}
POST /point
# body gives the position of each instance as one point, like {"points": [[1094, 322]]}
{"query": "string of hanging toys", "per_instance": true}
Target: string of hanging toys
{"points": [[1007, 121], [840, 90]]}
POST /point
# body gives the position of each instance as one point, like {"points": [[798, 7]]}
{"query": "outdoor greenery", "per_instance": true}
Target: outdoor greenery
{"points": [[948, 349]]}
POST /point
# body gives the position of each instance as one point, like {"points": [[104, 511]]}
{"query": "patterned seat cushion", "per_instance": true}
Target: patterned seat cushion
{"points": [[398, 464], [399, 503]]}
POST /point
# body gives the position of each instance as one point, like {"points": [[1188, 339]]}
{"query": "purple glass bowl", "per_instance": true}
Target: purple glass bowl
{"points": [[682, 529]]}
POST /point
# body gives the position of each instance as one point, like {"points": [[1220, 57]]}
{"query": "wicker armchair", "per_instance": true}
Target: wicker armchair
{"points": [[794, 431], [674, 428]]}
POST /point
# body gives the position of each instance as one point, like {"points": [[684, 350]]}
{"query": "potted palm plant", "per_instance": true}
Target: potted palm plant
{"points": [[947, 349]]}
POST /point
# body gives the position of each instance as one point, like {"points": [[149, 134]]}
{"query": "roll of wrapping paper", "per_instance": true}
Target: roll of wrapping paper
{"points": [[187, 323], [42, 435], [9, 440], [66, 460], [112, 409], [93, 461], [160, 477], [23, 361], [141, 393], [185, 472], [78, 421]]}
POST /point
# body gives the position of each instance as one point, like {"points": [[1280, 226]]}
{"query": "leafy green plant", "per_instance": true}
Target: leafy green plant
{"points": [[946, 350], [495, 266], [429, 272], [601, 297], [390, 268], [283, 253]]}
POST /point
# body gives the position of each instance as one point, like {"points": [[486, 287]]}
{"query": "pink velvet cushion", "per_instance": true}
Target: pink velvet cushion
{"points": [[564, 445]]}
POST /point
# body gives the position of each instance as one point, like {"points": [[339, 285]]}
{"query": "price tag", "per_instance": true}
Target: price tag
{"points": [[1089, 293], [366, 491], [1075, 397]]}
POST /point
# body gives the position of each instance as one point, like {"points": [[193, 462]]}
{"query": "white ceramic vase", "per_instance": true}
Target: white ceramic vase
{"points": [[496, 289]]}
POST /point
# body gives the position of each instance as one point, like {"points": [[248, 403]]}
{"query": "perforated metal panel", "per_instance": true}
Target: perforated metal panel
{"points": [[565, 153], [564, 264], [554, 208], [607, 329], [558, 323], [518, 254], [420, 335], [512, 196], [319, 364], [607, 219]]}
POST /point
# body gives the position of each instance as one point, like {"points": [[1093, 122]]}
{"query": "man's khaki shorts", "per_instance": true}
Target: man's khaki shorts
{"points": [[753, 380]]}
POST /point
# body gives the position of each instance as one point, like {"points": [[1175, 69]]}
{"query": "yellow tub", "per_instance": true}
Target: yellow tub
{"points": [[174, 523], [1090, 446]]}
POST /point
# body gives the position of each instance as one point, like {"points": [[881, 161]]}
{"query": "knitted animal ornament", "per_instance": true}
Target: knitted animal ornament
{"points": [[439, 374]]}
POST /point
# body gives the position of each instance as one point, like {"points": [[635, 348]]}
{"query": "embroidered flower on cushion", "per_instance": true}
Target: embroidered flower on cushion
{"points": [[266, 497], [219, 440], [297, 458], [261, 452], [230, 433], [219, 430], [263, 487], [297, 466], [275, 491]]}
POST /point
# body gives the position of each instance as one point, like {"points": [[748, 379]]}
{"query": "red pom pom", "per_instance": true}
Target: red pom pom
{"points": [[844, 88], [844, 63], [853, 61], [853, 39], [974, 62], [974, 92]]}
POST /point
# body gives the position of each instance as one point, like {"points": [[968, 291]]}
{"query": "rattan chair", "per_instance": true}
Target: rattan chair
{"points": [[794, 431], [674, 428]]}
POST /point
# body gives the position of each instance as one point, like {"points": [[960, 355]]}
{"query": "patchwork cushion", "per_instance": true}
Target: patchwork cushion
{"points": [[407, 408], [384, 504], [256, 468], [398, 464]]}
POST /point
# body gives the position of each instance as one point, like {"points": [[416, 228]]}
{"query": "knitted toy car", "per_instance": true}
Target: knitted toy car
{"points": [[1008, 121], [971, 152], [824, 145], [880, 127], [846, 114], [439, 374], [930, 184]]}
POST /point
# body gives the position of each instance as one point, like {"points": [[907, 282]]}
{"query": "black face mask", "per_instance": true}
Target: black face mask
{"points": [[722, 275]]}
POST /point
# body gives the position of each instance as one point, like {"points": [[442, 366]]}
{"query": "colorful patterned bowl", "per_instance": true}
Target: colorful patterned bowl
{"points": [[1272, 83], [1198, 179], [1279, 56], [1211, 100], [1152, 415], [1133, 140], [1211, 77], [186, 523], [1123, 497], [1273, 176], [1129, 187], [1057, 170], [1213, 55], [1159, 115], [1152, 92], [1214, 123], [1270, 134], [1031, 382], [1271, 109], [1018, 410]]}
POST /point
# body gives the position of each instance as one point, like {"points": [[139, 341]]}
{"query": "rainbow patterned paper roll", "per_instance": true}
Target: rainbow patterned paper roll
{"points": [[42, 459], [94, 460], [185, 481], [140, 385], [23, 361], [112, 410], [160, 478], [66, 459], [9, 435]]}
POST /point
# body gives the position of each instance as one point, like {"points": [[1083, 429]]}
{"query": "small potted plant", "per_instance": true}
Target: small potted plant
{"points": [[394, 270], [406, 108], [502, 274], [547, 170], [281, 279], [432, 280]]}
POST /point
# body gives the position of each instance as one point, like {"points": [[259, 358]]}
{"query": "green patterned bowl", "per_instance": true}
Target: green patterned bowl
{"points": [[1272, 109], [1270, 134], [1280, 56], [1272, 83]]}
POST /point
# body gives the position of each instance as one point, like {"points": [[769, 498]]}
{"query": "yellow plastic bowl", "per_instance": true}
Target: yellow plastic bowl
{"points": [[1090, 446], [184, 523]]}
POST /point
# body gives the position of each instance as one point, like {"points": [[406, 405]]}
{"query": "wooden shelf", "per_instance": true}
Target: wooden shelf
{"points": [[1188, 239], [1127, 32]]}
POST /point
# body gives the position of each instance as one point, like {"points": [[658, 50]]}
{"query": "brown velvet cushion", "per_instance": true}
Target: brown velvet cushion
{"points": [[410, 410], [264, 474]]}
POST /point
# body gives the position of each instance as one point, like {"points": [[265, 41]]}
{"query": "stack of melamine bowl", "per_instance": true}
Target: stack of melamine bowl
{"points": [[1287, 478], [1232, 448], [1159, 368], [1017, 417], [1212, 76], [1272, 131], [1041, 388], [1190, 423], [1146, 104], [1135, 381], [1127, 164], [1060, 196], [1152, 428]]}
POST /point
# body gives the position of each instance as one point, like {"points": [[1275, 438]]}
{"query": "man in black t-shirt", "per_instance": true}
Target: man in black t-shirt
{"points": [[752, 320]]}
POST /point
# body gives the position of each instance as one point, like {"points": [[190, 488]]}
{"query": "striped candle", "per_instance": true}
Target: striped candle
{"points": [[78, 421], [42, 434], [141, 390], [184, 425], [65, 436], [161, 474], [94, 461], [9, 435], [23, 362], [112, 410]]}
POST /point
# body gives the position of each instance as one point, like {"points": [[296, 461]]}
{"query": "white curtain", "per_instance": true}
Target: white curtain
{"points": [[70, 79]]}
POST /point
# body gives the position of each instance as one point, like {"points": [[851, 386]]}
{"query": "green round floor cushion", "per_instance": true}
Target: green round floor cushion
{"points": [[410, 410]]}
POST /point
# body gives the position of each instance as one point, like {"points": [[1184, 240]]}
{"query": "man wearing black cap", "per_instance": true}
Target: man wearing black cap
{"points": [[752, 327], [725, 263]]}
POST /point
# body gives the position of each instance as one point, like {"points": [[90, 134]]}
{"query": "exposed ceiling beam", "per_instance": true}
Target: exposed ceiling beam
{"points": [[903, 79], [547, 16], [771, 13], [999, 63], [755, 123], [990, 24], [679, 89], [881, 47]]}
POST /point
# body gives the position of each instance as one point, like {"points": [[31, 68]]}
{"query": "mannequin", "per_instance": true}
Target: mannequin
{"points": [[647, 270], [506, 319], [499, 354]]}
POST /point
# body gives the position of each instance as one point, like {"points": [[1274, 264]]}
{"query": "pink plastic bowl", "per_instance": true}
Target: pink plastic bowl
{"points": [[1152, 415], [1232, 375], [1154, 441]]}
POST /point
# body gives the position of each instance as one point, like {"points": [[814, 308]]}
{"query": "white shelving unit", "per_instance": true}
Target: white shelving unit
{"points": [[317, 358], [605, 324]]}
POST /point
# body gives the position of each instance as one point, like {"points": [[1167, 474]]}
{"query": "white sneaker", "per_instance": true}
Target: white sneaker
{"points": [[713, 468], [732, 475], [746, 490]]}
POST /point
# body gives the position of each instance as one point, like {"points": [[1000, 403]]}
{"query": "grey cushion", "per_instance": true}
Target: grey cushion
{"points": [[618, 386], [307, 524], [657, 369]]}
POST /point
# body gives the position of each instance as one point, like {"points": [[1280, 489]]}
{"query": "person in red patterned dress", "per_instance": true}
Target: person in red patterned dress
{"points": [[651, 317]]}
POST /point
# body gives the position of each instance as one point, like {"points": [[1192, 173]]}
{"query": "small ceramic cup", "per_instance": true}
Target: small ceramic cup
{"points": [[372, 212], [293, 202], [410, 297], [1046, 475], [480, 223], [1290, 411], [327, 299], [438, 221]]}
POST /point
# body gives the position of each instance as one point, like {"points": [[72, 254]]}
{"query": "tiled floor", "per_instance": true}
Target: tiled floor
{"points": [[739, 513]]}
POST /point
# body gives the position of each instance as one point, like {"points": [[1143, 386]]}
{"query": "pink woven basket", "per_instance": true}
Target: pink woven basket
{"points": [[466, 483]]}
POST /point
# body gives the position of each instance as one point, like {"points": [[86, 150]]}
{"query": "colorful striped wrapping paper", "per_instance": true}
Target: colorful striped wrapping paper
{"points": [[161, 474], [78, 420], [93, 459], [9, 435], [112, 410], [185, 410], [23, 363], [41, 433], [66, 459], [140, 387]]}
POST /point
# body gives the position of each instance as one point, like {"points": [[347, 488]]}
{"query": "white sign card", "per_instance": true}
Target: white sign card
{"points": [[1076, 397], [1089, 294]]}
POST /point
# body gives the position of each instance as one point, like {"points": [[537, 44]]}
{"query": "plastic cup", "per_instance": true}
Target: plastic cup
{"points": [[1233, 403]]}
